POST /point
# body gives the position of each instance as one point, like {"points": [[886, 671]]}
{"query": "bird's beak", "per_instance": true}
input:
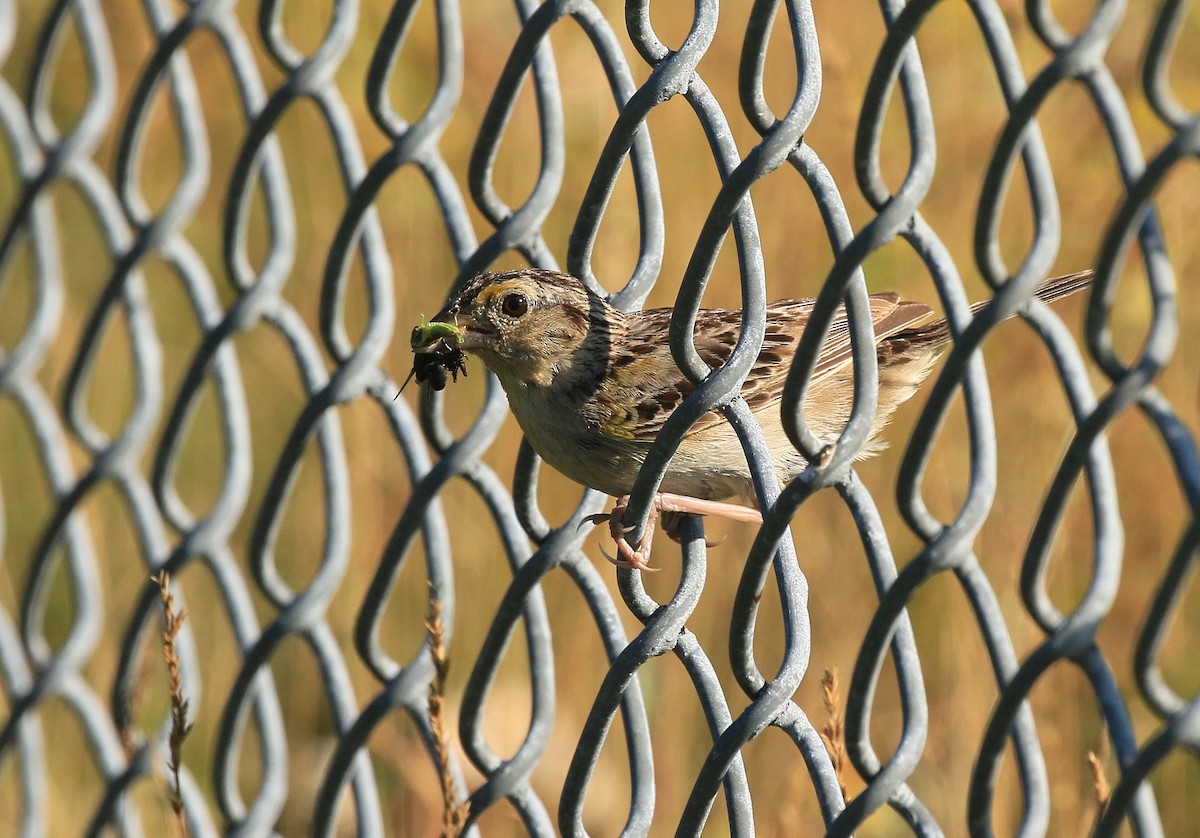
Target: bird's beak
{"points": [[449, 327]]}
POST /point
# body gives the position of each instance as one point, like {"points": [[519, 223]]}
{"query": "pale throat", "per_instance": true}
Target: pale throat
{"points": [[529, 372]]}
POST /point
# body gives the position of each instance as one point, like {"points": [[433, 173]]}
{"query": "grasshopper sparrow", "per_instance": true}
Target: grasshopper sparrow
{"points": [[591, 386]]}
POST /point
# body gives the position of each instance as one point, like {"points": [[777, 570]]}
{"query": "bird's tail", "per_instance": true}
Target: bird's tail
{"points": [[937, 332], [1058, 287]]}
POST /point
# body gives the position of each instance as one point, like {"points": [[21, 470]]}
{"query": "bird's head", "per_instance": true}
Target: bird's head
{"points": [[527, 326]]}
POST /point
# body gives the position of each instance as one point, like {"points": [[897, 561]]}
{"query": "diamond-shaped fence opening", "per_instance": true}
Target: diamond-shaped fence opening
{"points": [[220, 221]]}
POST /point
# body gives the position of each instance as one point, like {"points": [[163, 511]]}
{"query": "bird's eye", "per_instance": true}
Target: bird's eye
{"points": [[514, 305]]}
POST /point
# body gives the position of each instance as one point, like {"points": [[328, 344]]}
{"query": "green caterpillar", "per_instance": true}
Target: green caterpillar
{"points": [[427, 334]]}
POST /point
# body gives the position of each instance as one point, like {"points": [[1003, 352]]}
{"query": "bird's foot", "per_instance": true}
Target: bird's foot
{"points": [[672, 508], [627, 556]]}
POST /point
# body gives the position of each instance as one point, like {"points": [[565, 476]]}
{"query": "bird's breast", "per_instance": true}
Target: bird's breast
{"points": [[569, 437], [566, 434]]}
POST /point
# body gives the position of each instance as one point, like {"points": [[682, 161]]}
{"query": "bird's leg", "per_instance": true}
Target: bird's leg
{"points": [[667, 502], [671, 506], [674, 507]]}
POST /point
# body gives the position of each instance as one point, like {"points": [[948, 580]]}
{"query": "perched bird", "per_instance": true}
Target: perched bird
{"points": [[591, 386]]}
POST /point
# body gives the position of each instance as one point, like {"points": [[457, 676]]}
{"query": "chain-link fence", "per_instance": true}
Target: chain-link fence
{"points": [[219, 226]]}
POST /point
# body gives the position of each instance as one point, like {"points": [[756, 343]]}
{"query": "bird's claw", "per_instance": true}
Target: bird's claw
{"points": [[603, 517], [626, 556], [636, 560], [671, 507]]}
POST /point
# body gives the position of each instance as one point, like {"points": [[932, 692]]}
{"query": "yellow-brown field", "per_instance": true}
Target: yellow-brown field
{"points": [[1032, 419]]}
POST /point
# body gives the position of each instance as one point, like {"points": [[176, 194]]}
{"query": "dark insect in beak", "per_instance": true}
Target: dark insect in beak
{"points": [[434, 362]]}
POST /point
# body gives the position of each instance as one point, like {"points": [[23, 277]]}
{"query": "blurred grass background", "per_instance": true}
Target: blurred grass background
{"points": [[1032, 417]]}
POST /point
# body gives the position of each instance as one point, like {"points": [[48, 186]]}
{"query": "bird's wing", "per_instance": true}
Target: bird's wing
{"points": [[643, 377]]}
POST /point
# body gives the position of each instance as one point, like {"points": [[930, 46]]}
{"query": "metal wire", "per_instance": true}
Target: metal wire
{"points": [[140, 460]]}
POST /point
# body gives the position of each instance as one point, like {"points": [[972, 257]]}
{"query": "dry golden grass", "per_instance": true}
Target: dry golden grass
{"points": [[1031, 414], [833, 734], [454, 812], [180, 726]]}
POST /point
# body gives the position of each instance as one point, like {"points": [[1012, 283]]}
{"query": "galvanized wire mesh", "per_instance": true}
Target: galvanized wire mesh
{"points": [[96, 156]]}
